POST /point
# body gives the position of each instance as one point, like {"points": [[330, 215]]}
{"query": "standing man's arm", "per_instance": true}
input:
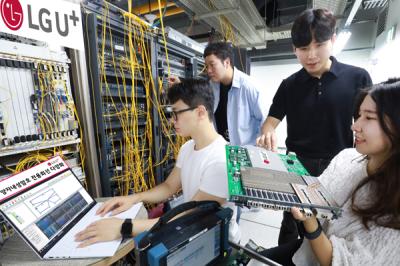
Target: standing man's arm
{"points": [[363, 80], [366, 79], [268, 138]]}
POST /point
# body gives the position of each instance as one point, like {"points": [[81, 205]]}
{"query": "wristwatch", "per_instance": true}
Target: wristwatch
{"points": [[126, 229], [315, 234]]}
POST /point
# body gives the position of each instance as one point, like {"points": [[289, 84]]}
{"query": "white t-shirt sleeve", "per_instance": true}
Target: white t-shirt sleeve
{"points": [[214, 180]]}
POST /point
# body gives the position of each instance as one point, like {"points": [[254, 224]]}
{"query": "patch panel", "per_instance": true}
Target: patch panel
{"points": [[35, 106], [37, 111], [119, 91]]}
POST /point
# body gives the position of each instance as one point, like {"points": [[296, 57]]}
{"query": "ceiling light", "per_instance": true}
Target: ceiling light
{"points": [[150, 18], [341, 41]]}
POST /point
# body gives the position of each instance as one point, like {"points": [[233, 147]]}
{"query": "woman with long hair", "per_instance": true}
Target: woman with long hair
{"points": [[365, 181]]}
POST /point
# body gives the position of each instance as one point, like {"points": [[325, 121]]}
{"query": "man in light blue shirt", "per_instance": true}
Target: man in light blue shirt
{"points": [[239, 107]]}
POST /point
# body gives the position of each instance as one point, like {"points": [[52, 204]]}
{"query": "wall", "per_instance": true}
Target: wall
{"points": [[385, 58], [268, 76], [362, 35]]}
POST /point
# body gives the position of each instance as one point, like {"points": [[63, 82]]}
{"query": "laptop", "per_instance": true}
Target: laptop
{"points": [[47, 206]]}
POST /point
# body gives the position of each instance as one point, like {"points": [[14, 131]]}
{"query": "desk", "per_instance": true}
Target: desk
{"points": [[17, 252]]}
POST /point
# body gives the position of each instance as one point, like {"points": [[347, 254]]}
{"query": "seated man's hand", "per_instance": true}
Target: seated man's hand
{"points": [[100, 231], [172, 80], [118, 204], [268, 140]]}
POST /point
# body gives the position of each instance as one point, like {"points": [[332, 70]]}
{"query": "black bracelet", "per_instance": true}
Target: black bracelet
{"points": [[315, 234]]}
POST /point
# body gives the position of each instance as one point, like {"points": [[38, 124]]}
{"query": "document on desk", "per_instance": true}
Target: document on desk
{"points": [[67, 247]]}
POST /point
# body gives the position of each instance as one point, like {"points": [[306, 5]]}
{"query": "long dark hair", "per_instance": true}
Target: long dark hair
{"points": [[384, 209]]}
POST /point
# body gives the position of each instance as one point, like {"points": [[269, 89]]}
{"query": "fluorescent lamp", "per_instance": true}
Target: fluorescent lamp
{"points": [[150, 18], [341, 41], [353, 12]]}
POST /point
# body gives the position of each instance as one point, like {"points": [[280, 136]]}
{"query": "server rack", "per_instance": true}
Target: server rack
{"points": [[106, 37], [183, 62], [121, 85]]}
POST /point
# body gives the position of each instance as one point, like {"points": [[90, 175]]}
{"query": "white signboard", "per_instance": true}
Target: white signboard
{"points": [[22, 181], [53, 21]]}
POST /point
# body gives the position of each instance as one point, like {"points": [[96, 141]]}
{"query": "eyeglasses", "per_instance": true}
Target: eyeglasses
{"points": [[175, 114]]}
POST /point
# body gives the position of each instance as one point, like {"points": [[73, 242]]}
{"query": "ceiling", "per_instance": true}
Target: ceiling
{"points": [[261, 24]]}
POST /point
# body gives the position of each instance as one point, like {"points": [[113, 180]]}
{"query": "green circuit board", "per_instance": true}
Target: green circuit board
{"points": [[292, 164], [237, 157]]}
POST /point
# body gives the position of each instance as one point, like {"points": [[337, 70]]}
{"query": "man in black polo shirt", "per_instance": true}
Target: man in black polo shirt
{"points": [[317, 101]]}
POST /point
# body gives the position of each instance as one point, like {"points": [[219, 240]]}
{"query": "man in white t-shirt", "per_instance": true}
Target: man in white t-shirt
{"points": [[200, 170]]}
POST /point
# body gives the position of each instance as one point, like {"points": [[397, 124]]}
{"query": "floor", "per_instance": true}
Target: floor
{"points": [[262, 226]]}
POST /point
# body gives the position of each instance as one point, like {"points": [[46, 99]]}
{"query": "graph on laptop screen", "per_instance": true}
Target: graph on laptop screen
{"points": [[42, 212]]}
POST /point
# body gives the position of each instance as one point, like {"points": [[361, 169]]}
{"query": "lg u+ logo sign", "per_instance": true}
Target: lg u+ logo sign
{"points": [[38, 18], [12, 14]]}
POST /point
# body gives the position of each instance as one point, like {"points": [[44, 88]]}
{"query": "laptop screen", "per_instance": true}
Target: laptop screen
{"points": [[42, 211]]}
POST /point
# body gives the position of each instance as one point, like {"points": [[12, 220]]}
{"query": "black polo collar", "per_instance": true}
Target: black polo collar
{"points": [[304, 76]]}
